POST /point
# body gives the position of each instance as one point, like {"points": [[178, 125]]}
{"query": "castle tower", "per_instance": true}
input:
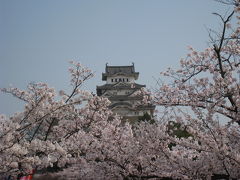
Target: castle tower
{"points": [[120, 89]]}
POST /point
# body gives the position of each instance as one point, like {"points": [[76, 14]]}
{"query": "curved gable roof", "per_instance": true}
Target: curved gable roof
{"points": [[120, 70]]}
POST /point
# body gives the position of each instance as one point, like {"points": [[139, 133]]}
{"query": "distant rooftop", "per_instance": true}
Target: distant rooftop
{"points": [[119, 70]]}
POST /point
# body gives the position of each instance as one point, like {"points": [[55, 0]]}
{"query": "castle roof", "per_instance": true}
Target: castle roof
{"points": [[117, 86], [120, 70]]}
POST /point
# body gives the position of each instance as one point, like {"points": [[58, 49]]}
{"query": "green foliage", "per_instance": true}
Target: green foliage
{"points": [[146, 118], [178, 130]]}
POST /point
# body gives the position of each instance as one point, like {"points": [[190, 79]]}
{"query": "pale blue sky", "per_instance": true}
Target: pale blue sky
{"points": [[37, 38]]}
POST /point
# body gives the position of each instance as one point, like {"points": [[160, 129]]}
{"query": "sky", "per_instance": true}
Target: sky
{"points": [[38, 38]]}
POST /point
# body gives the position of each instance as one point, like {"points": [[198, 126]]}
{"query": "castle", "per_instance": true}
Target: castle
{"points": [[120, 89]]}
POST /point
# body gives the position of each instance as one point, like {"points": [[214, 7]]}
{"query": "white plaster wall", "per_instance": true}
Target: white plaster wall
{"points": [[109, 79]]}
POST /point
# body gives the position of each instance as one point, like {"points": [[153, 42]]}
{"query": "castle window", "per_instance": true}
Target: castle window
{"points": [[112, 80], [127, 79], [123, 79], [120, 80], [115, 80]]}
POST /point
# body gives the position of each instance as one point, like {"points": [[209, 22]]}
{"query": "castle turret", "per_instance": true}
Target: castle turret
{"points": [[120, 89]]}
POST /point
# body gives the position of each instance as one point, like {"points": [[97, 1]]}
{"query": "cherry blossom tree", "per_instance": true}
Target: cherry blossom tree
{"points": [[208, 83], [33, 137], [56, 133], [209, 79], [76, 136]]}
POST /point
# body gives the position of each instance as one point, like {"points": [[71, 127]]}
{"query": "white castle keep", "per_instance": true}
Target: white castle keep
{"points": [[120, 89]]}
